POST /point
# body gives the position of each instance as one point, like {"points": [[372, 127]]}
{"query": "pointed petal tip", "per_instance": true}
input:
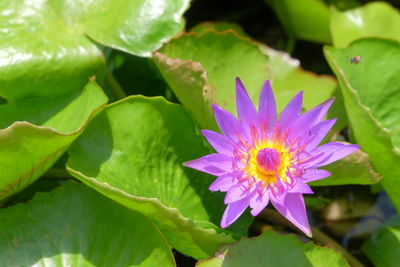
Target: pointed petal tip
{"points": [[255, 212], [189, 164], [215, 106], [267, 84], [329, 101], [308, 233], [238, 82], [185, 164], [267, 90], [299, 94]]}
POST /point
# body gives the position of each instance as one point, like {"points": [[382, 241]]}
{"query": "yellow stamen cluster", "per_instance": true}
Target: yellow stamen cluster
{"points": [[254, 169]]}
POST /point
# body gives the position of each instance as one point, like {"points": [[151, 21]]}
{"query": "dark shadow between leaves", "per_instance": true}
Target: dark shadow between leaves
{"points": [[35, 110]]}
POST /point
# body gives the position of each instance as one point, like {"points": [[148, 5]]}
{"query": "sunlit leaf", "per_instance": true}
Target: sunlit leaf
{"points": [[133, 153], [75, 226], [44, 129], [201, 68], [371, 91], [376, 19]]}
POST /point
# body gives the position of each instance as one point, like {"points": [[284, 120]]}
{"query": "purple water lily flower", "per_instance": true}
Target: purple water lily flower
{"points": [[264, 159]]}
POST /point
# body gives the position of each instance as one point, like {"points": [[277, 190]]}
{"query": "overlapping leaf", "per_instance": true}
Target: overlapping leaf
{"points": [[137, 27], [272, 249], [377, 19], [29, 150], [133, 153], [371, 91], [75, 226], [201, 68]]}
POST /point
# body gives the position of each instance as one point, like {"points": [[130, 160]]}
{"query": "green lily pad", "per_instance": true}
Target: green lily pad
{"points": [[43, 130], [272, 249], [56, 30], [383, 247], [286, 72], [371, 91], [133, 153], [201, 69], [376, 19], [75, 226]]}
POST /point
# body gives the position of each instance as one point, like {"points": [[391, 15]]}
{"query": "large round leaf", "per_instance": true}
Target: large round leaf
{"points": [[201, 69], [377, 19], [29, 150], [133, 153], [40, 54], [47, 31], [75, 226], [272, 249], [371, 91]]}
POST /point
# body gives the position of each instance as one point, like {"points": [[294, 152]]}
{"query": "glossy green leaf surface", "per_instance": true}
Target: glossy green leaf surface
{"points": [[137, 27], [304, 19], [371, 91], [75, 226], [272, 249], [200, 78], [133, 153], [40, 55], [383, 246], [376, 19], [44, 129]]}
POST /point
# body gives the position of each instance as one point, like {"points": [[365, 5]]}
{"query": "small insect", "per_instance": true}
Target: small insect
{"points": [[355, 60]]}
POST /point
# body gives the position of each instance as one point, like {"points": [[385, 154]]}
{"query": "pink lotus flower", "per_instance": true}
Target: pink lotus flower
{"points": [[264, 159]]}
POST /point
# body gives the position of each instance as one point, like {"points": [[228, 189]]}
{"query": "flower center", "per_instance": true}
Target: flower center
{"points": [[268, 160]]}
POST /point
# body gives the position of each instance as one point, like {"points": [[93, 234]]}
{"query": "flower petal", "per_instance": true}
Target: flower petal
{"points": [[318, 133], [302, 188], [293, 208], [222, 183], [303, 123], [237, 192], [214, 164], [314, 174], [292, 110], [308, 160], [233, 211], [258, 203], [334, 152], [267, 107], [219, 142], [323, 109], [229, 125], [245, 109]]}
